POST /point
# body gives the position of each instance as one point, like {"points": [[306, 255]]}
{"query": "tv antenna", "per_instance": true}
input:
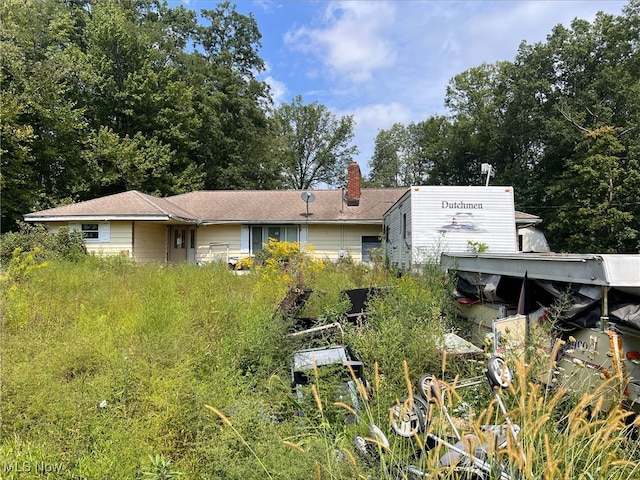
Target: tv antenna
{"points": [[308, 197], [487, 169]]}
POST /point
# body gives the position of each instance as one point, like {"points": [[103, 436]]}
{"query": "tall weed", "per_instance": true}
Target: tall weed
{"points": [[107, 367]]}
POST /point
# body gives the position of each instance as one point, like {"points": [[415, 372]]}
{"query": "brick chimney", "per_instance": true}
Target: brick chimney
{"points": [[354, 178]]}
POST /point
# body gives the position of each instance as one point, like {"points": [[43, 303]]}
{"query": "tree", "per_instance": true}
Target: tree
{"points": [[98, 97], [410, 155], [589, 107], [143, 103], [236, 135], [388, 157], [312, 144], [597, 196], [136, 163], [42, 124], [554, 123]]}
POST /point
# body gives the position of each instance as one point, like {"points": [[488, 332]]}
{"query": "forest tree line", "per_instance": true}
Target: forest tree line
{"points": [[99, 97], [560, 123]]}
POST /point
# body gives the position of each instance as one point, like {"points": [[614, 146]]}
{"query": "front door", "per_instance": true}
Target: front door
{"points": [[182, 243]]}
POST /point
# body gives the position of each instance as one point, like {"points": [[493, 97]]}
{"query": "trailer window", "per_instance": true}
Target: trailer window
{"points": [[404, 226]]}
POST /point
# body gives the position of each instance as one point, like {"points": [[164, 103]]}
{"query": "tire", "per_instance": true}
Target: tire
{"points": [[366, 451], [424, 407], [498, 373], [406, 418], [430, 389]]}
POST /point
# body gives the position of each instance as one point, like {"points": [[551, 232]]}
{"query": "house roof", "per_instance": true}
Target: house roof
{"points": [[236, 206], [526, 219], [131, 205], [259, 206], [229, 206]]}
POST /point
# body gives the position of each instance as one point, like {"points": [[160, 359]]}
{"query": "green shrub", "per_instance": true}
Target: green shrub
{"points": [[62, 245], [406, 323]]}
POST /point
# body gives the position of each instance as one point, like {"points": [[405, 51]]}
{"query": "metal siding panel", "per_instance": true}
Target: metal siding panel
{"points": [[395, 246], [445, 219]]}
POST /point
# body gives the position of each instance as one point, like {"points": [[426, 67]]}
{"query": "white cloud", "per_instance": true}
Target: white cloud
{"points": [[387, 62], [381, 116], [353, 40], [369, 120], [496, 33], [278, 90]]}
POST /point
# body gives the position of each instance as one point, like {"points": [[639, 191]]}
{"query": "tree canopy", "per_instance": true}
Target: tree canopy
{"points": [[97, 97], [313, 144], [100, 97]]}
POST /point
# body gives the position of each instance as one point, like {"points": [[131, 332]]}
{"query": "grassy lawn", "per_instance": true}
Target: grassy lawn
{"points": [[111, 370]]}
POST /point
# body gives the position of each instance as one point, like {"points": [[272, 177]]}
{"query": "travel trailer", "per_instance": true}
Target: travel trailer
{"points": [[429, 220]]}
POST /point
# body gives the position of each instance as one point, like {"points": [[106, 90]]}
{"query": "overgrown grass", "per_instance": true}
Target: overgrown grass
{"points": [[107, 368]]}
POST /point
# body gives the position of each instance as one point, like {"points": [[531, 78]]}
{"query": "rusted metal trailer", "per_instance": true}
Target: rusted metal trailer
{"points": [[593, 300]]}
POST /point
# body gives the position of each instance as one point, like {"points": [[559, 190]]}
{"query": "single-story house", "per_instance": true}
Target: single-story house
{"points": [[206, 226], [226, 225]]}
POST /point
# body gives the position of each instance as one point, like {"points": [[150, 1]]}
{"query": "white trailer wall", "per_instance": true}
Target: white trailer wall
{"points": [[430, 220], [397, 231]]}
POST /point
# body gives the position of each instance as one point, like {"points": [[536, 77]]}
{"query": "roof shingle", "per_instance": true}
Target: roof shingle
{"points": [[237, 206]]}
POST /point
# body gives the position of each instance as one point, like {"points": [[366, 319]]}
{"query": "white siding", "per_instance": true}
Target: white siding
{"points": [[446, 219], [398, 247]]}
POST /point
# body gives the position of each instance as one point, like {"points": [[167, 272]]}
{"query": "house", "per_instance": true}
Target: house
{"points": [[226, 225], [206, 226]]}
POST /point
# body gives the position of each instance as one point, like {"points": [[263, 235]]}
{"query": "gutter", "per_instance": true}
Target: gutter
{"points": [[95, 218], [194, 221], [291, 222]]}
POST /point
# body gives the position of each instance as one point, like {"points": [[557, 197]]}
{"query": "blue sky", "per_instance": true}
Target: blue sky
{"points": [[390, 61]]}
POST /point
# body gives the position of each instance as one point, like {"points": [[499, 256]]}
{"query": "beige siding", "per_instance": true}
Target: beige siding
{"points": [[222, 242], [120, 238], [328, 241], [150, 242], [53, 227], [218, 243], [120, 243]]}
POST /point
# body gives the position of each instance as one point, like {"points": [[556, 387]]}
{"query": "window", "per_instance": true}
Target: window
{"points": [[404, 226], [369, 243], [179, 238], [92, 232], [281, 233]]}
